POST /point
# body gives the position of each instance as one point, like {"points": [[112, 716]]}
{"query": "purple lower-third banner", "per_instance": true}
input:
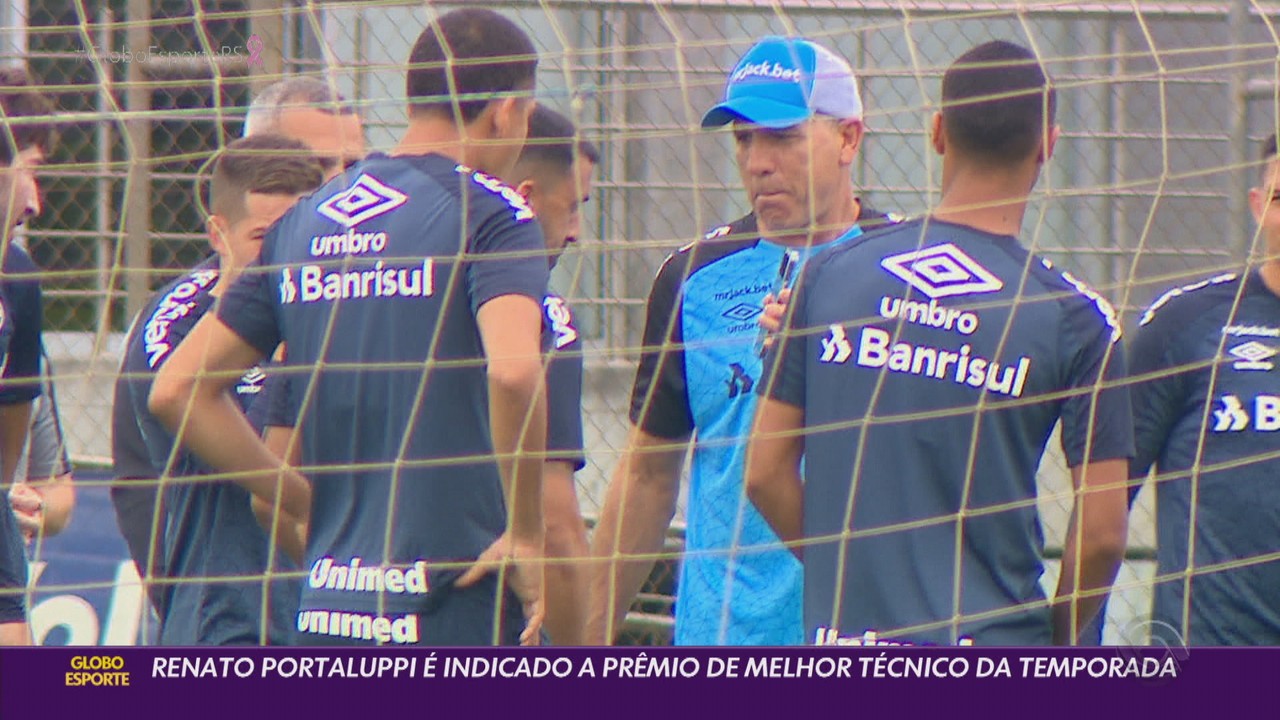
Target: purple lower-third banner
{"points": [[190, 683]]}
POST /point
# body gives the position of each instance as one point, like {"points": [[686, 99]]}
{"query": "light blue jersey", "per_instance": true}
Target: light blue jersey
{"points": [[737, 584]]}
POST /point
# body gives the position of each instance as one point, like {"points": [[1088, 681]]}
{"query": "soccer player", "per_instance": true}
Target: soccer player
{"points": [[554, 175], [211, 533], [299, 108], [797, 125], [927, 365], [409, 294], [1205, 412], [23, 147]]}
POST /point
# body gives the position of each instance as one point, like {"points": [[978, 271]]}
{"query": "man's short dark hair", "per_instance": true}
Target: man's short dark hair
{"points": [[1268, 157], [466, 58], [552, 142], [33, 113], [997, 103], [265, 164]]}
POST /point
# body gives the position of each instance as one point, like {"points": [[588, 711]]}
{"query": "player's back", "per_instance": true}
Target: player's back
{"points": [[954, 347], [380, 275]]}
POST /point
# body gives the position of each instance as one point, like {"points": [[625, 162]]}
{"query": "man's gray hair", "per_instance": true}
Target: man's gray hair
{"points": [[307, 92]]}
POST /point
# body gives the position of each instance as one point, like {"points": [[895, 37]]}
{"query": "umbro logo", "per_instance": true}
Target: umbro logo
{"points": [[942, 271], [742, 312], [367, 198], [1253, 355], [251, 382]]}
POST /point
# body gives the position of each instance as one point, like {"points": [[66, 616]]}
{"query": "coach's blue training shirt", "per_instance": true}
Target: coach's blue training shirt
{"points": [[210, 532], [1206, 416], [374, 284], [21, 329], [737, 585], [912, 321]]}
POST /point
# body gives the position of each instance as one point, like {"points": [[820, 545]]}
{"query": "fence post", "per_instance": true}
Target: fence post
{"points": [[137, 220]]}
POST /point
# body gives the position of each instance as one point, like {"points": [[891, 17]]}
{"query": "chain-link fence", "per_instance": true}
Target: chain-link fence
{"points": [[1161, 105]]}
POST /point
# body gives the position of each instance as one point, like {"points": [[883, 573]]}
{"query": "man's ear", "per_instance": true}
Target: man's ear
{"points": [[505, 114], [526, 188], [851, 134], [936, 134], [217, 228], [1049, 143]]}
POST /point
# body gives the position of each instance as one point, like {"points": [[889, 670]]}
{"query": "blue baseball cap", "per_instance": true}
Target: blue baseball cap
{"points": [[782, 82]]}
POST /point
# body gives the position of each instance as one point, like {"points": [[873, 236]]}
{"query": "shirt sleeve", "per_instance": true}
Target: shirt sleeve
{"points": [[1097, 420], [564, 407], [1159, 390], [129, 455], [249, 305], [660, 396], [21, 382], [785, 365], [46, 452], [506, 257], [280, 403]]}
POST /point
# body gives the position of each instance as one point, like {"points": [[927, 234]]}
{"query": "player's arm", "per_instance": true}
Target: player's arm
{"points": [[638, 508], [1094, 546], [14, 634], [510, 331], [15, 423], [777, 442], [191, 396], [43, 503], [506, 282], [641, 499], [773, 469], [567, 549], [1159, 389], [279, 433], [1097, 439]]}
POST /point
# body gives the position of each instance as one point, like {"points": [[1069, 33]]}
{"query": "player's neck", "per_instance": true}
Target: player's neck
{"points": [[432, 135], [1269, 271], [824, 230], [227, 274], [985, 200]]}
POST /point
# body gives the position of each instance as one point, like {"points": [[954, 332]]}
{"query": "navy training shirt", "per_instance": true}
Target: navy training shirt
{"points": [[1206, 412], [21, 328], [210, 532], [374, 284], [280, 400], [932, 362]]}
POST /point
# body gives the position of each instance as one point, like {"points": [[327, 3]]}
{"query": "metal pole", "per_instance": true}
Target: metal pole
{"points": [[106, 243], [267, 22], [137, 220], [1238, 152]]}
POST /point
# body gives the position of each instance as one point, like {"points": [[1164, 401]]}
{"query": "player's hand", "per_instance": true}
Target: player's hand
{"points": [[519, 565], [771, 318], [28, 509]]}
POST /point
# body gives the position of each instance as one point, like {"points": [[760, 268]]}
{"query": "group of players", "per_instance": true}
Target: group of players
{"points": [[359, 421]]}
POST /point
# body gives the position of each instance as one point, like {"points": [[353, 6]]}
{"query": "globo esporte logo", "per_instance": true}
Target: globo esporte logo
{"points": [[97, 671]]}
